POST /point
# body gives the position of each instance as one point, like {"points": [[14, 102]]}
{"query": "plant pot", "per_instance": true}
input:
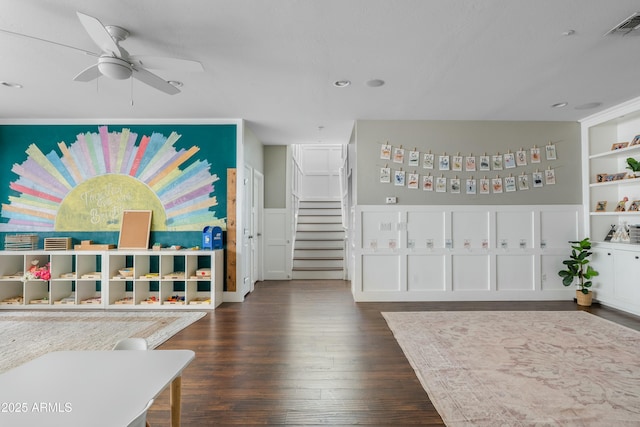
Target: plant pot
{"points": [[584, 299]]}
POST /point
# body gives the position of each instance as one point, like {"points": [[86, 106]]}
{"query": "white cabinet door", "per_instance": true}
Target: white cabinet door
{"points": [[603, 284], [627, 265]]}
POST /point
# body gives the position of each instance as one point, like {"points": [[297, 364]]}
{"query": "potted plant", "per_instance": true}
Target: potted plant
{"points": [[634, 166], [578, 268]]}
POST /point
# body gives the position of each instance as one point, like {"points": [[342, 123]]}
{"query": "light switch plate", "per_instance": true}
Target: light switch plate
{"points": [[392, 200]]}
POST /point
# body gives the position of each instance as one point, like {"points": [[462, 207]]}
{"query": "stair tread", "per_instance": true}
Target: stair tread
{"points": [[319, 240], [323, 223], [321, 249]]}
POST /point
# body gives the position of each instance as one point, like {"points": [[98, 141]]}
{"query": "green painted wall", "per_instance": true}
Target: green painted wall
{"points": [[216, 142]]}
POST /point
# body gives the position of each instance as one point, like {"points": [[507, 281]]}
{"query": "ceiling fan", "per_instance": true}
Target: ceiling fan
{"points": [[116, 63]]}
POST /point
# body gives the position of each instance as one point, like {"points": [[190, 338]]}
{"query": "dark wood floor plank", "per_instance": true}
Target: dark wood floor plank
{"points": [[304, 353]]}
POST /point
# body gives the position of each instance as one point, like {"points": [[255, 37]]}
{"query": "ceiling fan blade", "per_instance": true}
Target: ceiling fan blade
{"points": [[87, 52], [164, 63], [88, 74], [99, 34], [154, 81]]}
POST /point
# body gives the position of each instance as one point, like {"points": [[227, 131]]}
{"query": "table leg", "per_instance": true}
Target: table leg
{"points": [[175, 399]]}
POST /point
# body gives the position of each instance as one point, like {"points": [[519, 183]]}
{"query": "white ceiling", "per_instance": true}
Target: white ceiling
{"points": [[273, 62]]}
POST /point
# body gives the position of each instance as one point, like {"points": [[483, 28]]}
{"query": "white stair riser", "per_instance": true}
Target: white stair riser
{"points": [[306, 253], [319, 275], [320, 227], [307, 205], [319, 235], [312, 244], [316, 263], [334, 212], [302, 219]]}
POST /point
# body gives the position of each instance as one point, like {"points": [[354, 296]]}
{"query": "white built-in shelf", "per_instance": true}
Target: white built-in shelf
{"points": [[618, 182], [623, 152]]}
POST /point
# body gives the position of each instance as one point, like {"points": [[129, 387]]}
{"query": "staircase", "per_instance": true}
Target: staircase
{"points": [[319, 243]]}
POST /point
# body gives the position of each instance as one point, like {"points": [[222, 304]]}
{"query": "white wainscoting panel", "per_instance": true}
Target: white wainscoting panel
{"points": [[559, 227], [423, 226], [514, 228], [467, 257], [381, 273], [470, 229], [550, 265], [426, 273], [515, 272], [380, 230], [471, 272]]}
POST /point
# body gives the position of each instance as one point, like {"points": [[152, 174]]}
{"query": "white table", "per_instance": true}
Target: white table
{"points": [[90, 388]]}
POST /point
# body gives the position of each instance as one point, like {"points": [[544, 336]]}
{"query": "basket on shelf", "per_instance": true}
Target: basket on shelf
{"points": [[21, 242]]}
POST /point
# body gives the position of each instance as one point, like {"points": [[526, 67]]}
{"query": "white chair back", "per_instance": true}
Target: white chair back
{"points": [[141, 420], [131, 344]]}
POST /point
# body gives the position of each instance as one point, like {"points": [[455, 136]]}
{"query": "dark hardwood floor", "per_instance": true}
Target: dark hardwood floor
{"points": [[304, 353]]}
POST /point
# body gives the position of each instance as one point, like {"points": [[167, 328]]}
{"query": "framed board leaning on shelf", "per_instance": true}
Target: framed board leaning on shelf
{"points": [[135, 229]]}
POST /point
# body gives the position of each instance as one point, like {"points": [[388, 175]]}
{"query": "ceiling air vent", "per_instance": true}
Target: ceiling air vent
{"points": [[626, 26]]}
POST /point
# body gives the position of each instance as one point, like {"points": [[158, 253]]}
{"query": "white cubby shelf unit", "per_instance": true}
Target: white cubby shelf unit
{"points": [[463, 253], [165, 279]]}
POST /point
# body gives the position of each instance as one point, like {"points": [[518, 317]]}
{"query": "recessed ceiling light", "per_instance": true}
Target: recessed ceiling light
{"points": [[175, 83], [375, 83], [341, 83], [560, 105], [13, 85]]}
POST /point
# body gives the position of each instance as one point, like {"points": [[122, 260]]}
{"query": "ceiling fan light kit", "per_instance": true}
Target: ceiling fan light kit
{"points": [[115, 68]]}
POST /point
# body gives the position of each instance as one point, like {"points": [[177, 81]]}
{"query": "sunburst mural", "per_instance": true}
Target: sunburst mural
{"points": [[89, 183]]}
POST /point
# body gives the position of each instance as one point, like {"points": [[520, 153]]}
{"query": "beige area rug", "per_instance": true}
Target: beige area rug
{"points": [[524, 368], [25, 335]]}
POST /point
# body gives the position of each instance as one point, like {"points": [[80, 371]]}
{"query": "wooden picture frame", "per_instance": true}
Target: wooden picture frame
{"points": [[635, 140], [619, 145], [601, 206], [135, 229]]}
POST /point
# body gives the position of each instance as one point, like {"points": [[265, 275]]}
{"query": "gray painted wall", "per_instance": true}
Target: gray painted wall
{"points": [[253, 150], [468, 137], [275, 176]]}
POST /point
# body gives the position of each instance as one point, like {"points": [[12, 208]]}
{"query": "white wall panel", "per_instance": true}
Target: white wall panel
{"points": [[470, 272], [408, 270], [559, 227], [470, 228], [426, 273], [514, 273], [514, 228], [423, 226], [549, 267], [380, 230], [381, 273]]}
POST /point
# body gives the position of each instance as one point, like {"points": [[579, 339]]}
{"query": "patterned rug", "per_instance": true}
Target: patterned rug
{"points": [[26, 335], [523, 368]]}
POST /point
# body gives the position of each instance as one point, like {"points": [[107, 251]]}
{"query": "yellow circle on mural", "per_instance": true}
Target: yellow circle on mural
{"points": [[97, 204]]}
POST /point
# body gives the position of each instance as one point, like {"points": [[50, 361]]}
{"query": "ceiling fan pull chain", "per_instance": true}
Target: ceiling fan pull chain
{"points": [[131, 78]]}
